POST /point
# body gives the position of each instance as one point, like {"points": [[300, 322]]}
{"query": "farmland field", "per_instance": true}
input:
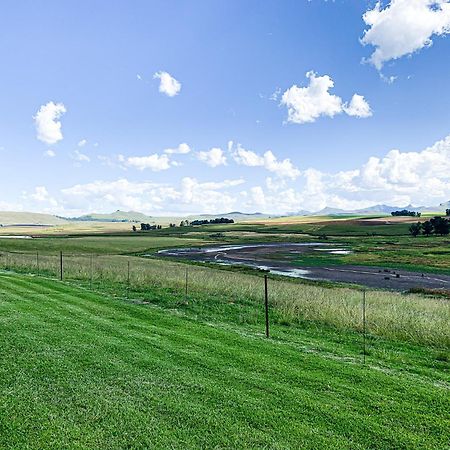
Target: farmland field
{"points": [[136, 350]]}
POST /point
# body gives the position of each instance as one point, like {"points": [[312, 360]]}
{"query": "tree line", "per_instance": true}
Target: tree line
{"points": [[184, 223], [436, 225], [212, 221], [405, 212]]}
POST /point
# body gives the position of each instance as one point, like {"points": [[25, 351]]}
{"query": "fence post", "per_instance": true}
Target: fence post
{"points": [[364, 325], [128, 278], [37, 261], [266, 304], [61, 265], [92, 270], [186, 286]]}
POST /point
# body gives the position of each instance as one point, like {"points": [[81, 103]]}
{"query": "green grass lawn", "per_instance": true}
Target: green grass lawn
{"points": [[86, 370]]}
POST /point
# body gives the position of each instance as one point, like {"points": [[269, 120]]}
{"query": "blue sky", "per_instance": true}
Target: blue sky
{"points": [[118, 83]]}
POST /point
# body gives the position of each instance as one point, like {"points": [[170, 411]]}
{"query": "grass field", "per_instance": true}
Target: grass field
{"points": [[87, 370], [236, 295], [388, 245], [104, 244]]}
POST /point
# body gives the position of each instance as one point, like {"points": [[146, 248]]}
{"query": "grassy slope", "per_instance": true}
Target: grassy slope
{"points": [[82, 370], [11, 218]]}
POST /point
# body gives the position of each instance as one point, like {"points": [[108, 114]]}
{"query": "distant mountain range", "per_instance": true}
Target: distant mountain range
{"points": [[376, 209], [116, 216], [133, 216], [11, 218]]}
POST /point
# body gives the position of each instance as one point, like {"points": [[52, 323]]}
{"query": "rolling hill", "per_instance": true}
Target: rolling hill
{"points": [[10, 218]]}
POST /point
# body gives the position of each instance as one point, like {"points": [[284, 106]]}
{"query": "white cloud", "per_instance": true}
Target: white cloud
{"points": [[275, 184], [275, 95], [82, 143], [48, 126], [191, 196], [258, 198], [397, 179], [358, 107], [213, 158], [6, 206], [50, 153], [208, 197], [284, 201], [284, 168], [182, 149], [120, 194], [404, 27], [41, 195], [168, 85], [153, 162], [307, 104], [80, 157]]}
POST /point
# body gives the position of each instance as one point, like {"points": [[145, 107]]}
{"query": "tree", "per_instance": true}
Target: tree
{"points": [[427, 228], [415, 228], [441, 225], [447, 212]]}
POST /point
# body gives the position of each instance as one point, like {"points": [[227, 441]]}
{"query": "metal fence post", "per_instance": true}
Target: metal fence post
{"points": [[364, 325], [266, 304], [186, 286], [61, 265], [128, 278], [91, 270]]}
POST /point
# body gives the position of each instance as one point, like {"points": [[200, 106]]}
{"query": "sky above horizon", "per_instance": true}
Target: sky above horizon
{"points": [[184, 107]]}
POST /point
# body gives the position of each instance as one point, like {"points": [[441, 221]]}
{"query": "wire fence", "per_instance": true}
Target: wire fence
{"points": [[242, 296]]}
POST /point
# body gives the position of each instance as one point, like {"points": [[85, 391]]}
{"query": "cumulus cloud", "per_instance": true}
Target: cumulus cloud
{"points": [[307, 104], [283, 169], [397, 179], [80, 157], [404, 27], [358, 107], [41, 195], [167, 84], [82, 143], [48, 127], [50, 153], [213, 158], [182, 149], [153, 162], [190, 196]]}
